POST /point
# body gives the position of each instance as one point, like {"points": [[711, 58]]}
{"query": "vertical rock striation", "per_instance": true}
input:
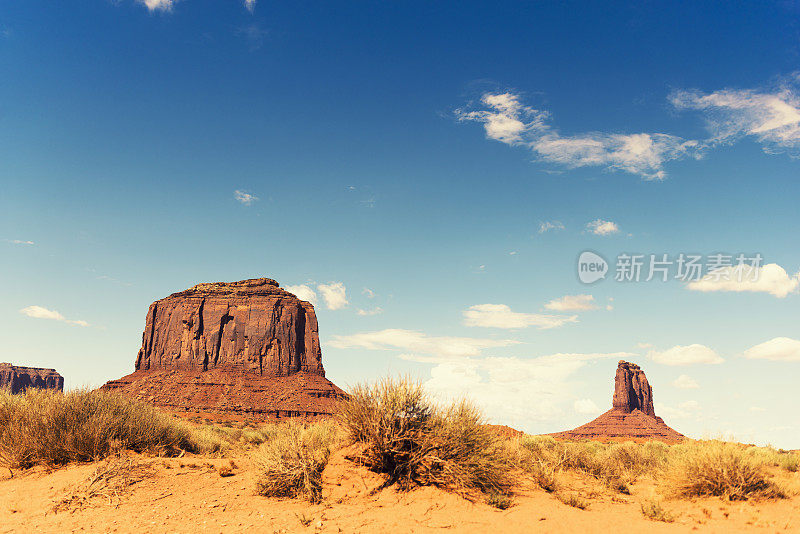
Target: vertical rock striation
{"points": [[632, 391], [252, 326], [17, 379], [631, 417], [242, 348]]}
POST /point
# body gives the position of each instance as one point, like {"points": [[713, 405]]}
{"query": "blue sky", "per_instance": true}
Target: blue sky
{"points": [[443, 166]]}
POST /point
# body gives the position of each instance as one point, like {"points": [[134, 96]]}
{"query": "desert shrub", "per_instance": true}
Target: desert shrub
{"points": [[779, 458], [413, 442], [789, 461], [291, 462], [719, 468], [53, 428], [615, 464], [501, 501], [574, 500], [655, 512]]}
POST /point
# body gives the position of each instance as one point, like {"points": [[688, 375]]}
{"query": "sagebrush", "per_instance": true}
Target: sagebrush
{"points": [[415, 442], [54, 428], [291, 462]]}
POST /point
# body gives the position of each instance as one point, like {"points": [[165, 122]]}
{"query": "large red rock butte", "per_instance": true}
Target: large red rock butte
{"points": [[17, 379], [632, 416], [241, 349]]}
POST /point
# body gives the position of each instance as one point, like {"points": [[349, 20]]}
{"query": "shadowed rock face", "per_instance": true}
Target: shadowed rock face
{"points": [[252, 325], [632, 416], [17, 379], [241, 349], [632, 391]]}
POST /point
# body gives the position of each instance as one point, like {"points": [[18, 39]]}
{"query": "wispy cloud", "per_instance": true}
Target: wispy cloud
{"points": [[250, 5], [771, 117], [572, 303], [685, 382], [546, 226], [38, 312], [501, 316], [686, 355], [335, 295], [601, 227], [771, 278], [303, 292], [507, 120], [244, 197], [158, 5], [586, 407], [522, 392], [778, 349], [373, 311], [368, 292], [254, 35], [19, 242], [418, 343]]}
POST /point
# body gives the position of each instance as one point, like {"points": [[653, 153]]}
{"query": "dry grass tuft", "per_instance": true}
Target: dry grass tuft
{"points": [[574, 500], [722, 469], [291, 463], [415, 443], [500, 501], [653, 510], [108, 481], [45, 427]]}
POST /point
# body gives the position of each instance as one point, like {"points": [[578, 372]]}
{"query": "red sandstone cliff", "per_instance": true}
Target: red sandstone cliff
{"points": [[632, 416], [244, 348], [252, 325], [17, 379]]}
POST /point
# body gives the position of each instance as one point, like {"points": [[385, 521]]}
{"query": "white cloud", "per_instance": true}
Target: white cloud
{"points": [[250, 5], [38, 312], [244, 197], [601, 227], [521, 392], [418, 343], [334, 294], [373, 311], [644, 345], [158, 5], [501, 316], [368, 292], [19, 242], [303, 292], [685, 382], [586, 407], [685, 355], [779, 349], [757, 409], [572, 303], [771, 278], [771, 117], [507, 120], [546, 226], [685, 410]]}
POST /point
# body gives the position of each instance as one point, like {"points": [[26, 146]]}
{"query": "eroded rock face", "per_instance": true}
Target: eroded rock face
{"points": [[632, 416], [244, 349], [17, 379], [632, 391], [252, 325]]}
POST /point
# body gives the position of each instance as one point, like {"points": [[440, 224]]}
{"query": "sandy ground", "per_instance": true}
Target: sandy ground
{"points": [[189, 495]]}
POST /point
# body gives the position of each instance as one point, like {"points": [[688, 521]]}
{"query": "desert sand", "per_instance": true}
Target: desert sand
{"points": [[188, 495]]}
